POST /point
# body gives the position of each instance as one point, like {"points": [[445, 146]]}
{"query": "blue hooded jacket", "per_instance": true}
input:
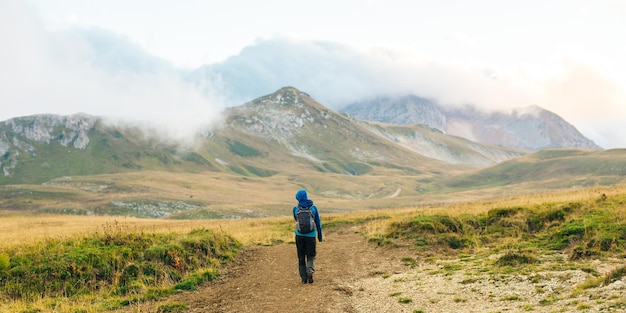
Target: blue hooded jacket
{"points": [[305, 202]]}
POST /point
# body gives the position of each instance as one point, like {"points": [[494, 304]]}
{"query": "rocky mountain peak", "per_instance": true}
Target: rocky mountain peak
{"points": [[280, 115], [285, 96], [66, 130], [403, 110], [20, 135], [530, 128]]}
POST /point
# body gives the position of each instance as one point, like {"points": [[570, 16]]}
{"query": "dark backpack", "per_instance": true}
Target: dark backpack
{"points": [[304, 220]]}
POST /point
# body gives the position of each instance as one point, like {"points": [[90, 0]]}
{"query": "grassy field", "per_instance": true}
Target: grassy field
{"points": [[584, 223], [19, 229]]}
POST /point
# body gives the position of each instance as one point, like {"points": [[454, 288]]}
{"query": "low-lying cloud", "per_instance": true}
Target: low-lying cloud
{"points": [[95, 72], [337, 75]]}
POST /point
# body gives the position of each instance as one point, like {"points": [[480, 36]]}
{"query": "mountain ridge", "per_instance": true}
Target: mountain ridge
{"points": [[264, 149], [532, 128], [285, 127]]}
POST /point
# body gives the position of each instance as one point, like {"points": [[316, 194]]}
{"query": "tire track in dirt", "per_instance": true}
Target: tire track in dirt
{"points": [[265, 279]]}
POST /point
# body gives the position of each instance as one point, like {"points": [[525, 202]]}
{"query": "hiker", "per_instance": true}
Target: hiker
{"points": [[308, 226]]}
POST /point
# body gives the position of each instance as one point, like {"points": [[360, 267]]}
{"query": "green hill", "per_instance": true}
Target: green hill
{"points": [[549, 169]]}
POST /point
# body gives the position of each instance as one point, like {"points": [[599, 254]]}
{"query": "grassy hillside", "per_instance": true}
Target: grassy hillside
{"points": [[290, 128], [286, 132], [113, 269], [110, 150], [264, 151], [208, 195], [184, 195], [434, 144], [549, 169]]}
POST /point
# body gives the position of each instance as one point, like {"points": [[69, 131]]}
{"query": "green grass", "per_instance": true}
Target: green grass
{"points": [[585, 229], [603, 167], [516, 259], [172, 308], [241, 149], [118, 268], [511, 298]]}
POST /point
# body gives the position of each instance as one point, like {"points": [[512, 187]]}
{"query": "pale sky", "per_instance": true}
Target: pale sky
{"points": [[567, 56]]}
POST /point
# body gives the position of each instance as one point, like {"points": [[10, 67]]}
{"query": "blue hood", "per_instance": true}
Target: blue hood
{"points": [[303, 199]]}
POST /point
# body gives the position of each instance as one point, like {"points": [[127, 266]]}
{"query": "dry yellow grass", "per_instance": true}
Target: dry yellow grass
{"points": [[19, 230], [24, 229]]}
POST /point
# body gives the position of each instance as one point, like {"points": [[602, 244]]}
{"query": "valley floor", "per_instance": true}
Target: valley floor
{"points": [[356, 276]]}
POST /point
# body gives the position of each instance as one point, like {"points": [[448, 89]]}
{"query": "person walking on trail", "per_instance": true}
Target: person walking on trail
{"points": [[308, 227]]}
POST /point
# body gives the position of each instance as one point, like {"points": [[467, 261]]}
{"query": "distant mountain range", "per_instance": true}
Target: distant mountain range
{"points": [[286, 127], [259, 138], [264, 149], [531, 128]]}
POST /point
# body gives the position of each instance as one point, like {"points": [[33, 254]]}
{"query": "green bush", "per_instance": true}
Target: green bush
{"points": [[172, 308], [516, 259], [119, 263]]}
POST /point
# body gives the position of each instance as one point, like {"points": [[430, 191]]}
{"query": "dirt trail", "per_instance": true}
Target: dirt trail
{"points": [[358, 277], [265, 279]]}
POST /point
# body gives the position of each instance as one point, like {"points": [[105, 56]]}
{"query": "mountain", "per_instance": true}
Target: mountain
{"points": [[289, 130], [435, 144], [286, 130], [531, 128], [250, 164], [34, 149]]}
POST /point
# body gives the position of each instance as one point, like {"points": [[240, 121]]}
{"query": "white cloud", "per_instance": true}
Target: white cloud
{"points": [[96, 72], [336, 75], [70, 70]]}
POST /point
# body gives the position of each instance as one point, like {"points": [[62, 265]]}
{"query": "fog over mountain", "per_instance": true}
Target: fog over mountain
{"points": [[94, 71], [530, 128], [100, 72]]}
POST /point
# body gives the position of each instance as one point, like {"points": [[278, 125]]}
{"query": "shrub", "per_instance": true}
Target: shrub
{"points": [[172, 308], [515, 259], [118, 263], [495, 215]]}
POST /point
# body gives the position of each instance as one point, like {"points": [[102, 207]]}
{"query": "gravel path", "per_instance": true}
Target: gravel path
{"points": [[356, 276]]}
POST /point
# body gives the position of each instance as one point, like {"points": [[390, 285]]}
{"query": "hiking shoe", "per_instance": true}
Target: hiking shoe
{"points": [[310, 280]]}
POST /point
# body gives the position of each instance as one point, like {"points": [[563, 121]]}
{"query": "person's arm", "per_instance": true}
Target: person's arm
{"points": [[318, 224]]}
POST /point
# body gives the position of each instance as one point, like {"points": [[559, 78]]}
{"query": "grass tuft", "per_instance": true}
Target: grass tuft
{"points": [[516, 259], [172, 308], [134, 266]]}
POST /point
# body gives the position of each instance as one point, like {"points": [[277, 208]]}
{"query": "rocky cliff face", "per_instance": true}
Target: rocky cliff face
{"points": [[404, 110], [67, 130], [20, 135], [531, 128]]}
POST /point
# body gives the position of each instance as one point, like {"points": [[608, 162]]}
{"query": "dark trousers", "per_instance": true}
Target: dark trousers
{"points": [[306, 256]]}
